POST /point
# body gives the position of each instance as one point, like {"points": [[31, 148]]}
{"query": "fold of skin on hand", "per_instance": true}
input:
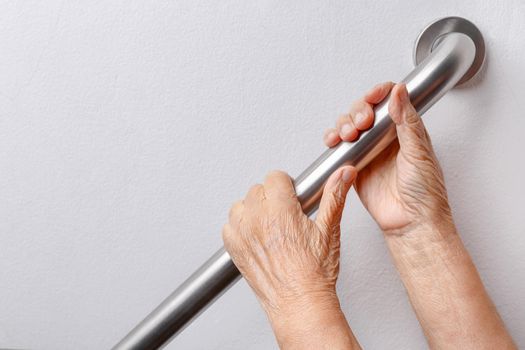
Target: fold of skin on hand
{"points": [[441, 280], [292, 262]]}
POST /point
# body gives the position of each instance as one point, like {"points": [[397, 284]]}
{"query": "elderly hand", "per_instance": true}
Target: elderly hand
{"points": [[292, 262], [403, 188]]}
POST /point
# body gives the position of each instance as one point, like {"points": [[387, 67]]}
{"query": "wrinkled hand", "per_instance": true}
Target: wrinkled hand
{"points": [[286, 257], [403, 188]]}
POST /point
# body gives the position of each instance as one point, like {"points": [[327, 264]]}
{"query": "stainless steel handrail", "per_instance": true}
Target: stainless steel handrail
{"points": [[456, 51]]}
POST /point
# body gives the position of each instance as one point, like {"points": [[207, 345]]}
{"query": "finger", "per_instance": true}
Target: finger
{"points": [[334, 196], [279, 186], [228, 235], [233, 240], [378, 92], [235, 214], [254, 197], [346, 128], [362, 114], [411, 133], [400, 108], [331, 137]]}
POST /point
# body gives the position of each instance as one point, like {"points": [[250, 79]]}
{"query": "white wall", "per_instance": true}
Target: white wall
{"points": [[128, 128]]}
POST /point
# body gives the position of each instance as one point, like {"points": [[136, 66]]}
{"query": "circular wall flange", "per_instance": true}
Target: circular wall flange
{"points": [[431, 35]]}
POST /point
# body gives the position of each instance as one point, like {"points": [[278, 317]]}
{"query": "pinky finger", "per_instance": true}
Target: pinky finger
{"points": [[331, 137]]}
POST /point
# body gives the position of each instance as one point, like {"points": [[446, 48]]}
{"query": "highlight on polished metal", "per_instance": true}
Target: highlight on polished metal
{"points": [[448, 52]]}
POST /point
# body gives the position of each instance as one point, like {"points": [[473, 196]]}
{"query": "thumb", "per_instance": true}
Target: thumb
{"points": [[413, 138], [334, 196]]}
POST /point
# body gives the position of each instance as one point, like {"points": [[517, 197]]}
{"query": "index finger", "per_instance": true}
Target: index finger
{"points": [[278, 185], [378, 92]]}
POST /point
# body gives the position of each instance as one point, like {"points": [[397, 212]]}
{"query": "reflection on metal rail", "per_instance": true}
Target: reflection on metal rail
{"points": [[447, 52]]}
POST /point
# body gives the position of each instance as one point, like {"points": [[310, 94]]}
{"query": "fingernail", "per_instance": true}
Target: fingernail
{"points": [[330, 137], [360, 119], [346, 130], [347, 175], [403, 93]]}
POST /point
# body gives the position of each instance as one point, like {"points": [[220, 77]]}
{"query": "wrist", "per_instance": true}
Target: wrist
{"points": [[443, 284], [293, 310], [422, 246], [434, 222], [311, 320]]}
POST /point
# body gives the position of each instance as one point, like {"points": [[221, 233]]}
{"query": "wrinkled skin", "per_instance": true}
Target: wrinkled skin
{"points": [[281, 252], [292, 262], [403, 188]]}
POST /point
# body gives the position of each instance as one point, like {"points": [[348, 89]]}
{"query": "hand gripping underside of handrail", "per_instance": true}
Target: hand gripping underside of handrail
{"points": [[448, 51]]}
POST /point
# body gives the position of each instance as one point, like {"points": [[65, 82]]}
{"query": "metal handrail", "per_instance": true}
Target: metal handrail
{"points": [[448, 51]]}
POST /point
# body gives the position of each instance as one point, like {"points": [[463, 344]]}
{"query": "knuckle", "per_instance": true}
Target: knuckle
{"points": [[235, 210], [227, 233], [236, 206], [254, 190], [386, 86], [362, 107], [293, 206], [328, 131], [226, 229], [277, 175], [413, 118], [344, 118], [358, 105]]}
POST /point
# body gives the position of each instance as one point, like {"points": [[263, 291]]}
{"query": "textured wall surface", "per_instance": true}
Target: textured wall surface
{"points": [[128, 128]]}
